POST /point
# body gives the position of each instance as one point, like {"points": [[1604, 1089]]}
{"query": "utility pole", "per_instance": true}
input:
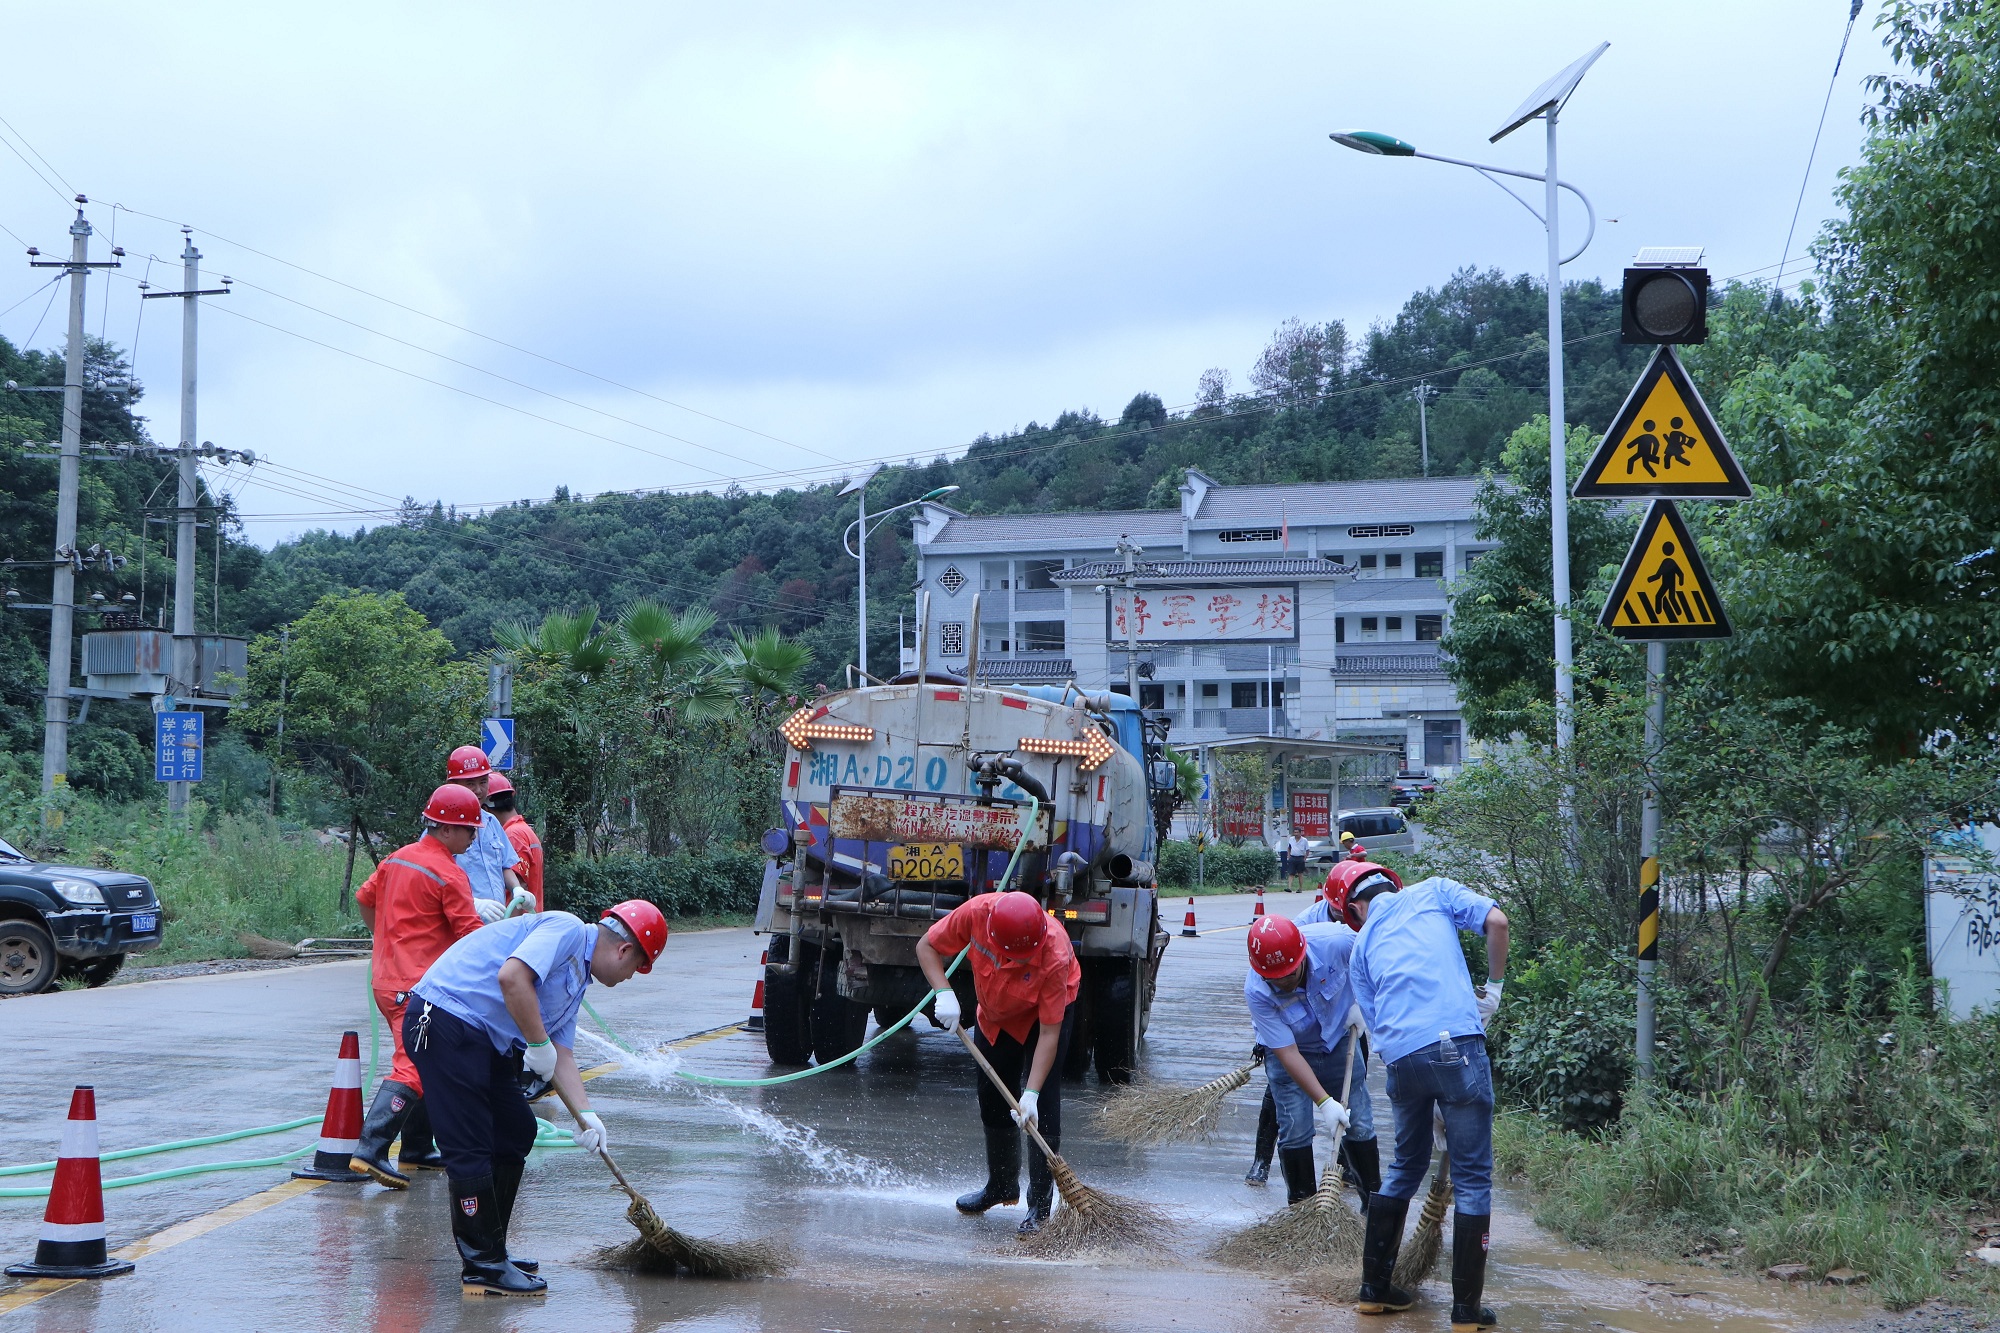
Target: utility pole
{"points": [[182, 682], [1131, 550], [284, 687], [62, 593], [1423, 393], [1649, 851]]}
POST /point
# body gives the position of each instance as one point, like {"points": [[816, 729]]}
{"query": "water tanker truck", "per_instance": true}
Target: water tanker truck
{"points": [[902, 800]]}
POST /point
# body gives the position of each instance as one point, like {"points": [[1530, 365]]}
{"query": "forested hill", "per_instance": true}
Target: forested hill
{"points": [[1320, 404]]}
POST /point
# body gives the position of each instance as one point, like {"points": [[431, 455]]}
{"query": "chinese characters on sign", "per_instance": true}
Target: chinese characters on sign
{"points": [[1205, 615], [177, 747], [1312, 813]]}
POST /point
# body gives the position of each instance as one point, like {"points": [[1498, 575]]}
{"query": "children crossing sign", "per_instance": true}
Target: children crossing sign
{"points": [[1664, 591], [1663, 442]]}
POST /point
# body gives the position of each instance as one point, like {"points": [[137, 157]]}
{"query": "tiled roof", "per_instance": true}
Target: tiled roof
{"points": [[1336, 503], [1389, 659], [1095, 530], [1026, 670], [1182, 571]]}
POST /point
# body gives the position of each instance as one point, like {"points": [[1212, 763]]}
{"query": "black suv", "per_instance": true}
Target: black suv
{"points": [[67, 921]]}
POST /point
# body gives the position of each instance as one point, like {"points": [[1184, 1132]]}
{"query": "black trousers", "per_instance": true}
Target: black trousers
{"points": [[1011, 1060], [474, 1093]]}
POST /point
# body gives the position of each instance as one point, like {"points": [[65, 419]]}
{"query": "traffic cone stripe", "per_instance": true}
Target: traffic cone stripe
{"points": [[72, 1237], [79, 1139], [74, 1231]]}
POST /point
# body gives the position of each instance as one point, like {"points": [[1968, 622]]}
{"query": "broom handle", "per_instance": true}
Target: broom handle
{"points": [[1329, 1185], [1032, 1126], [616, 1174]]}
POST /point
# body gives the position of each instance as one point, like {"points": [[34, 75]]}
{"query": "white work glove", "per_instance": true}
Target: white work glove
{"points": [[521, 904], [945, 1007], [1332, 1116], [1354, 1020], [589, 1133], [540, 1059], [1489, 1001], [489, 909], [1029, 1100]]}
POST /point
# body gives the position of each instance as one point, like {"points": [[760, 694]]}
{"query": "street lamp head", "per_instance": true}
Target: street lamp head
{"points": [[932, 495], [1373, 142]]}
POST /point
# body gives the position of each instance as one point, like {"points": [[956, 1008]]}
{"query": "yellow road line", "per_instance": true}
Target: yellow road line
{"points": [[698, 1039], [40, 1288]]}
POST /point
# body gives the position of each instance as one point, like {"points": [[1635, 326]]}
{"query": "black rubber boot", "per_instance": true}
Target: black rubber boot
{"points": [[1267, 1141], [1041, 1193], [1003, 1173], [419, 1150], [1301, 1176], [1364, 1163], [1378, 1258], [379, 1127], [506, 1185], [1469, 1236], [482, 1244]]}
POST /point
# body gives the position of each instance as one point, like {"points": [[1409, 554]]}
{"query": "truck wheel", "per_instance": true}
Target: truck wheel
{"points": [[838, 1023], [28, 960], [787, 1010], [1113, 1032]]}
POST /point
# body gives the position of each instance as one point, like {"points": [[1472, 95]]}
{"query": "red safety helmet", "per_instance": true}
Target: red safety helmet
{"points": [[454, 805], [645, 924], [467, 761], [1018, 924], [498, 783], [1340, 882], [1374, 879], [1275, 947]]}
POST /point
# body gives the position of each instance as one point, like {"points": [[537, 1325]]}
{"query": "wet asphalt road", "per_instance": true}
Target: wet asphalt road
{"points": [[854, 1171]]}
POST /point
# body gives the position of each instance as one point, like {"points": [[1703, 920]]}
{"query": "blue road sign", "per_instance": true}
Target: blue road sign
{"points": [[177, 747], [496, 737]]}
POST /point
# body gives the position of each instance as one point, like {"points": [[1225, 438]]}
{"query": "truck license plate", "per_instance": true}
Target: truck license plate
{"points": [[926, 861], [144, 923]]}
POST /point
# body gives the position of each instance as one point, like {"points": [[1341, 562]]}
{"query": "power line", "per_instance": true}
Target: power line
{"points": [[44, 161], [1853, 12]]}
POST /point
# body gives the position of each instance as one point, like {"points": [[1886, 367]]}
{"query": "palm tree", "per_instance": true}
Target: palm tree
{"points": [[767, 671], [569, 639]]}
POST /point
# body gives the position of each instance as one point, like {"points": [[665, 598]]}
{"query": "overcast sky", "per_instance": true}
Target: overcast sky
{"points": [[848, 232]]}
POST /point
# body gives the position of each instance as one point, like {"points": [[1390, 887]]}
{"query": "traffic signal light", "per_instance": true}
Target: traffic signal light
{"points": [[1665, 302]]}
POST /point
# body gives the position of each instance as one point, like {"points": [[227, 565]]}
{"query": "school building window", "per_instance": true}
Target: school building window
{"points": [[1429, 628], [1041, 636], [1430, 564]]}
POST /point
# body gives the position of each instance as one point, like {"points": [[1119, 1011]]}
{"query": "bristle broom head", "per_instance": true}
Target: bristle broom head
{"points": [[661, 1251], [1418, 1258], [1317, 1232], [1094, 1219], [1147, 1114]]}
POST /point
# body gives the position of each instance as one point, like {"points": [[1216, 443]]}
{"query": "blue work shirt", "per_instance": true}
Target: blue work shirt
{"points": [[465, 980], [1313, 915], [1313, 1017], [489, 858], [1408, 971]]}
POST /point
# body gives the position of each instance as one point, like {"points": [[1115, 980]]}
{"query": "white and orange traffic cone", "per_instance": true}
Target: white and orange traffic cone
{"points": [[340, 1128], [1188, 931], [755, 1023], [1260, 904], [72, 1241]]}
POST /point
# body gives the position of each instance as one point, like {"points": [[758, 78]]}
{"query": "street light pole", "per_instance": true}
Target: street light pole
{"points": [[855, 542]]}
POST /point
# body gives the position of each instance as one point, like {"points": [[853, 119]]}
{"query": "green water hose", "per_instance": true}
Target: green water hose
{"points": [[1034, 809], [177, 1145]]}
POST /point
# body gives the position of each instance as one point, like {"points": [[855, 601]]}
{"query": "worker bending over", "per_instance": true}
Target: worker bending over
{"points": [[1301, 1008], [1331, 905], [417, 904], [1411, 982], [501, 801], [499, 1000], [1025, 975], [491, 863]]}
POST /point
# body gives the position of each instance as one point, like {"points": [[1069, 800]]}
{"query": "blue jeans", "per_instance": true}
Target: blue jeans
{"points": [[1295, 1109], [1454, 1077]]}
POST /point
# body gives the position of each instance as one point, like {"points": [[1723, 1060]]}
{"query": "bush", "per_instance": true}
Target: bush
{"points": [[1563, 1047], [681, 884], [1233, 866]]}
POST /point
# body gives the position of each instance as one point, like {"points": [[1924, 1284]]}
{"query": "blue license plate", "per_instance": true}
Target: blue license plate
{"points": [[145, 923]]}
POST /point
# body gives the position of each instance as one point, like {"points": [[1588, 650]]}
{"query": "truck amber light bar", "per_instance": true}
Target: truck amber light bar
{"points": [[1093, 749], [1093, 913], [804, 727]]}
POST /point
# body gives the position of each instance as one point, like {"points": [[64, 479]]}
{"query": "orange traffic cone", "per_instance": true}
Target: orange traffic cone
{"points": [[340, 1128], [1260, 904], [755, 1023], [1188, 931], [72, 1241]]}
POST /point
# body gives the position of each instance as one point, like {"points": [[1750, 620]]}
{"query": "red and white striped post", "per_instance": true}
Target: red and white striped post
{"points": [[340, 1128], [72, 1240], [755, 1023]]}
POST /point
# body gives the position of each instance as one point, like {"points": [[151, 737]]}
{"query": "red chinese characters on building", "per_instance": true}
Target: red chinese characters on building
{"points": [[1179, 610], [1225, 610], [1130, 615], [1312, 813], [1274, 611]]}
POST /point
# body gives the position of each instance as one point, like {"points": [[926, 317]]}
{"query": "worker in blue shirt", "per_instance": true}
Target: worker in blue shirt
{"points": [[1301, 1008], [500, 1000], [1411, 983], [492, 862]]}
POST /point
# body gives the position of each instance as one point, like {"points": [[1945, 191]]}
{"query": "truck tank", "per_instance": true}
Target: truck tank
{"points": [[903, 800]]}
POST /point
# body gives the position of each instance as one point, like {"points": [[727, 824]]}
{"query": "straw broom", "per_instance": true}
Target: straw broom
{"points": [[1086, 1218], [1147, 1115], [662, 1250], [1419, 1256], [1314, 1232]]}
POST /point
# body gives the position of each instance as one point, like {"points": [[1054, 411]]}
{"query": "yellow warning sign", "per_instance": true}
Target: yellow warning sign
{"points": [[1664, 591], [1663, 442]]}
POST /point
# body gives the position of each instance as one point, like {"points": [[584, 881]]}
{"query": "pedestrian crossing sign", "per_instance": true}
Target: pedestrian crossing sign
{"points": [[1664, 591], [1663, 442]]}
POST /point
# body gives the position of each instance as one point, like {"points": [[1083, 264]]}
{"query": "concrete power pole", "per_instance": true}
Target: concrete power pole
{"points": [[62, 592], [1423, 393]]}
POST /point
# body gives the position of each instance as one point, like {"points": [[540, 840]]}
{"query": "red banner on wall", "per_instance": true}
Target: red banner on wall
{"points": [[1312, 813]]}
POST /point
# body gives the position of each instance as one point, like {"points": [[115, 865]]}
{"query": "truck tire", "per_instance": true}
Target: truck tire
{"points": [[1114, 1033], [28, 961], [787, 1008], [838, 1023]]}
